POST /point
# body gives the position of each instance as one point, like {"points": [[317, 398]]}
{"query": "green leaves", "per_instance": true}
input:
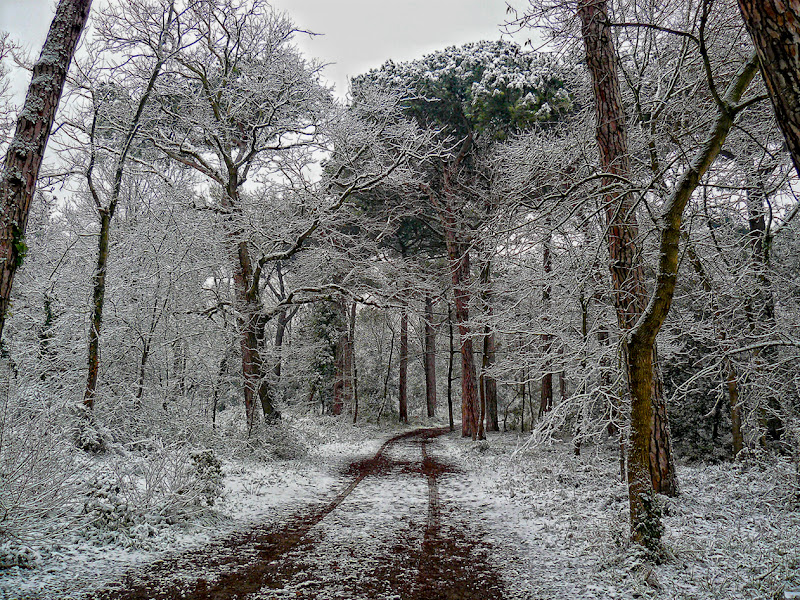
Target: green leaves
{"points": [[485, 87]]}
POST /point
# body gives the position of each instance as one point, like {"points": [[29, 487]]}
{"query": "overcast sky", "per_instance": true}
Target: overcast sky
{"points": [[356, 35]]}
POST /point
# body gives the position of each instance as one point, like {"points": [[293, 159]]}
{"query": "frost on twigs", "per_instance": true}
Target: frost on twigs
{"points": [[139, 498]]}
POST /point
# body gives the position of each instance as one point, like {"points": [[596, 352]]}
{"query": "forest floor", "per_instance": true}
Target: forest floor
{"points": [[424, 514]]}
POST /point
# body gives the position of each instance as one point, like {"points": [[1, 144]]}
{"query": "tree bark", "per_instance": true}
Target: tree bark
{"points": [[403, 360], [459, 263], [774, 26], [450, 367], [353, 366], [460, 271], [341, 383], [546, 398], [627, 277], [430, 358], [488, 384], [26, 150], [98, 296]]}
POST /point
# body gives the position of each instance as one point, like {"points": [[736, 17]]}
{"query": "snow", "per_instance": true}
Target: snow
{"points": [[562, 521], [553, 525]]}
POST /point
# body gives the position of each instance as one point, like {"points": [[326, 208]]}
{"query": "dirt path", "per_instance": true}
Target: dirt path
{"points": [[385, 535]]}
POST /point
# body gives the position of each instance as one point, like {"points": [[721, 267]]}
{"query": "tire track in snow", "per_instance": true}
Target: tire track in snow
{"points": [[448, 563], [244, 562]]}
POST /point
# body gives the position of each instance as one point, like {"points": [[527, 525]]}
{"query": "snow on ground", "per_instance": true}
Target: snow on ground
{"points": [[558, 525], [71, 556], [555, 524]]}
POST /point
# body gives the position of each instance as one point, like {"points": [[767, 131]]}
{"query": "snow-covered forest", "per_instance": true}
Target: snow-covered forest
{"points": [[503, 321]]}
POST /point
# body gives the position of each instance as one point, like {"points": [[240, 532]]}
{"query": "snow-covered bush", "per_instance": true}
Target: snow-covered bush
{"points": [[14, 554], [37, 470], [207, 476], [142, 492]]}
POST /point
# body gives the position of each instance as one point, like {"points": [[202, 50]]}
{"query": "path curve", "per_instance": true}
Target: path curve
{"points": [[434, 559]]}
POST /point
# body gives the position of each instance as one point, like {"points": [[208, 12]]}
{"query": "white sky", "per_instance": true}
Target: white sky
{"points": [[356, 34]]}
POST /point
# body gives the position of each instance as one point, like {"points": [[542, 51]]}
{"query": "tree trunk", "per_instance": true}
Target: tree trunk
{"points": [[26, 150], [353, 367], [98, 295], [736, 415], [522, 390], [280, 332], [403, 380], [546, 399], [458, 258], [106, 215], [488, 384], [626, 270], [450, 367], [430, 358], [774, 26], [459, 266]]}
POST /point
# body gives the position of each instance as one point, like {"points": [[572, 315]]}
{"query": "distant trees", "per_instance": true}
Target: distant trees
{"points": [[473, 94]]}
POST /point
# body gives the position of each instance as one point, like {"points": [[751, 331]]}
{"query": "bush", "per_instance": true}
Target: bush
{"points": [[207, 476], [37, 472], [13, 554]]}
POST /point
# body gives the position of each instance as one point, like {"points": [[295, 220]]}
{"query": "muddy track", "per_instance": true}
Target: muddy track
{"points": [[449, 565]]}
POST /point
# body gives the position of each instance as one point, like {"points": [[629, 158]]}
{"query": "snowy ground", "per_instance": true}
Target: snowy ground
{"points": [[558, 523], [536, 523]]}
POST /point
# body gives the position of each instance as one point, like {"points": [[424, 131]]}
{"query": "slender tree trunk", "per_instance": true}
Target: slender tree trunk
{"points": [[403, 381], [450, 368], [98, 295], [386, 379], [732, 377], [546, 399], [736, 415], [106, 215], [522, 391], [353, 366], [489, 384], [26, 150], [280, 331], [430, 358]]}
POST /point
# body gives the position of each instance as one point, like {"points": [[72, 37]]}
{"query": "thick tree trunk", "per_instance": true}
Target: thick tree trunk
{"points": [[98, 294], [26, 150], [250, 325], [403, 379], [774, 26], [626, 269], [459, 263], [430, 358]]}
